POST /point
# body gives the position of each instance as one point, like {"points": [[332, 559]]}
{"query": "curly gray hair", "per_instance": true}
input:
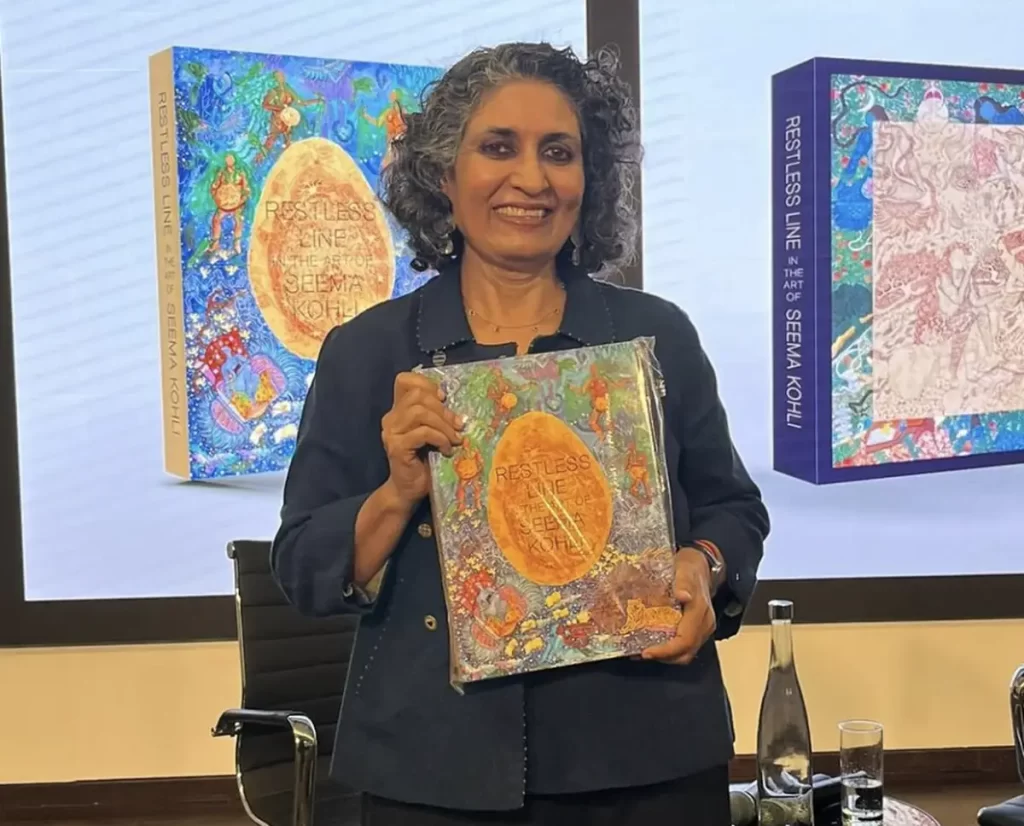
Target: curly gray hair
{"points": [[425, 153]]}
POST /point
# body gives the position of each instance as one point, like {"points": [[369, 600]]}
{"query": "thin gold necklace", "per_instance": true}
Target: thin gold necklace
{"points": [[534, 326], [497, 328]]}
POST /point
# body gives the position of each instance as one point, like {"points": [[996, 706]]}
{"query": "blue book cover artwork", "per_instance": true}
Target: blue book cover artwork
{"points": [[269, 234], [898, 269]]}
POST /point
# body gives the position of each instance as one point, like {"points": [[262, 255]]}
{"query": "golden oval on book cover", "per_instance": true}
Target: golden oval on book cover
{"points": [[320, 251], [549, 505]]}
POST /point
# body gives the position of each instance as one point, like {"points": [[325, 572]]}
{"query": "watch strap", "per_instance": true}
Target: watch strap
{"points": [[716, 562]]}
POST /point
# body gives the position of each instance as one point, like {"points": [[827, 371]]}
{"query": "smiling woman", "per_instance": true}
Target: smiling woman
{"points": [[514, 182], [490, 106], [519, 190]]}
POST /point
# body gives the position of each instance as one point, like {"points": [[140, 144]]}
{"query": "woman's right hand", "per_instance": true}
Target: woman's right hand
{"points": [[418, 421]]}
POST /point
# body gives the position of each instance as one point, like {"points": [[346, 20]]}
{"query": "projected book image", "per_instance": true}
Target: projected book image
{"points": [[923, 292], [949, 282], [269, 233], [553, 518]]}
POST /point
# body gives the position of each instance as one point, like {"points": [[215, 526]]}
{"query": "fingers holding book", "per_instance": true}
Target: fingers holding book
{"points": [[417, 422], [698, 622]]}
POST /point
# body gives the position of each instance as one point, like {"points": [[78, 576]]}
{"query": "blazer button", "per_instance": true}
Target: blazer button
{"points": [[425, 530], [430, 621]]}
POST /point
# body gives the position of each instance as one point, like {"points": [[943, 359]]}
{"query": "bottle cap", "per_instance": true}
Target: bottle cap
{"points": [[780, 609]]}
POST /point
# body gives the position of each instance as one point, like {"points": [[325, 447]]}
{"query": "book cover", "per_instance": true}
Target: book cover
{"points": [[898, 269], [553, 518], [269, 233]]}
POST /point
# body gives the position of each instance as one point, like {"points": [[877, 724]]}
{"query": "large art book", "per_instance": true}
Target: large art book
{"points": [[553, 517], [898, 269], [269, 233]]}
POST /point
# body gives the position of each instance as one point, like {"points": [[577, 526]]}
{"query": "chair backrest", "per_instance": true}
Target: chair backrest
{"points": [[289, 663], [1017, 714]]}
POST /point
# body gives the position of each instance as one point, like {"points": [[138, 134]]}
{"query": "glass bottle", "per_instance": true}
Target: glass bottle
{"points": [[784, 775]]}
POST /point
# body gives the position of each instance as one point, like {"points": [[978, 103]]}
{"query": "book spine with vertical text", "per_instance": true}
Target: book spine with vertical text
{"points": [[794, 409], [167, 213]]}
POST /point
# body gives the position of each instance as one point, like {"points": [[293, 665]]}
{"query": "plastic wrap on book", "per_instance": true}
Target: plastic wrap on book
{"points": [[554, 517]]}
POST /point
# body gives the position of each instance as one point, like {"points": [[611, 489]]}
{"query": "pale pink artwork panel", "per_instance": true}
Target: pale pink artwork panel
{"points": [[948, 224]]}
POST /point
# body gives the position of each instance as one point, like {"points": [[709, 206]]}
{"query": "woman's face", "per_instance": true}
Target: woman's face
{"points": [[517, 185]]}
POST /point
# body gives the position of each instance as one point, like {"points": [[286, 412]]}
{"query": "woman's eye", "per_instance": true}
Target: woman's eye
{"points": [[498, 150], [559, 154]]}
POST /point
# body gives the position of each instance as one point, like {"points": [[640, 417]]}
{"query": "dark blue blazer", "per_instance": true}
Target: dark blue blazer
{"points": [[404, 733]]}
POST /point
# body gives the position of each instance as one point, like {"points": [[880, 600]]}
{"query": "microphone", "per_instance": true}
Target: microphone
{"points": [[743, 802]]}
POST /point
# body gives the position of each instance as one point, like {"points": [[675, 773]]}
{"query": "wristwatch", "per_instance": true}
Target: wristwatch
{"points": [[715, 563]]}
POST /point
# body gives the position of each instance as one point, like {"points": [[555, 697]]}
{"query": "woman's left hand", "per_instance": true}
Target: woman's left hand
{"points": [[693, 591]]}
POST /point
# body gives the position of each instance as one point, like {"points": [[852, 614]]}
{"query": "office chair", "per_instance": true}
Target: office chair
{"points": [[1017, 713], [293, 675], [1011, 812]]}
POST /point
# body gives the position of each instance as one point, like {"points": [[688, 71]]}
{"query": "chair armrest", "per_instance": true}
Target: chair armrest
{"points": [[1007, 813], [233, 720]]}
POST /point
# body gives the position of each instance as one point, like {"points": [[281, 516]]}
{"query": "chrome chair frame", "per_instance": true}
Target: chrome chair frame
{"points": [[1011, 812], [232, 722], [1017, 715]]}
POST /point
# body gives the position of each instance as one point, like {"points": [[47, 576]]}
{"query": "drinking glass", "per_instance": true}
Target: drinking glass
{"points": [[860, 767]]}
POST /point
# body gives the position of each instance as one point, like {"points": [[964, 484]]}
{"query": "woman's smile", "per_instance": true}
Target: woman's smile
{"points": [[523, 216]]}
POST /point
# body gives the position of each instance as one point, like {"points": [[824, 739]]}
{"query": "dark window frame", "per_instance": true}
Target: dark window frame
{"points": [[189, 619]]}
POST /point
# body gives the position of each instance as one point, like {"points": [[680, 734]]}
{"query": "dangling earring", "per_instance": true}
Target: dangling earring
{"points": [[448, 248], [576, 242]]}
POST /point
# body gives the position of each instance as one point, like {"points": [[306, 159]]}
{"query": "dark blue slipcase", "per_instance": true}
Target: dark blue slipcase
{"points": [[898, 269]]}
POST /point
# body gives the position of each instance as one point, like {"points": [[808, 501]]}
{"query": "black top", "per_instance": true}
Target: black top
{"points": [[404, 732]]}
